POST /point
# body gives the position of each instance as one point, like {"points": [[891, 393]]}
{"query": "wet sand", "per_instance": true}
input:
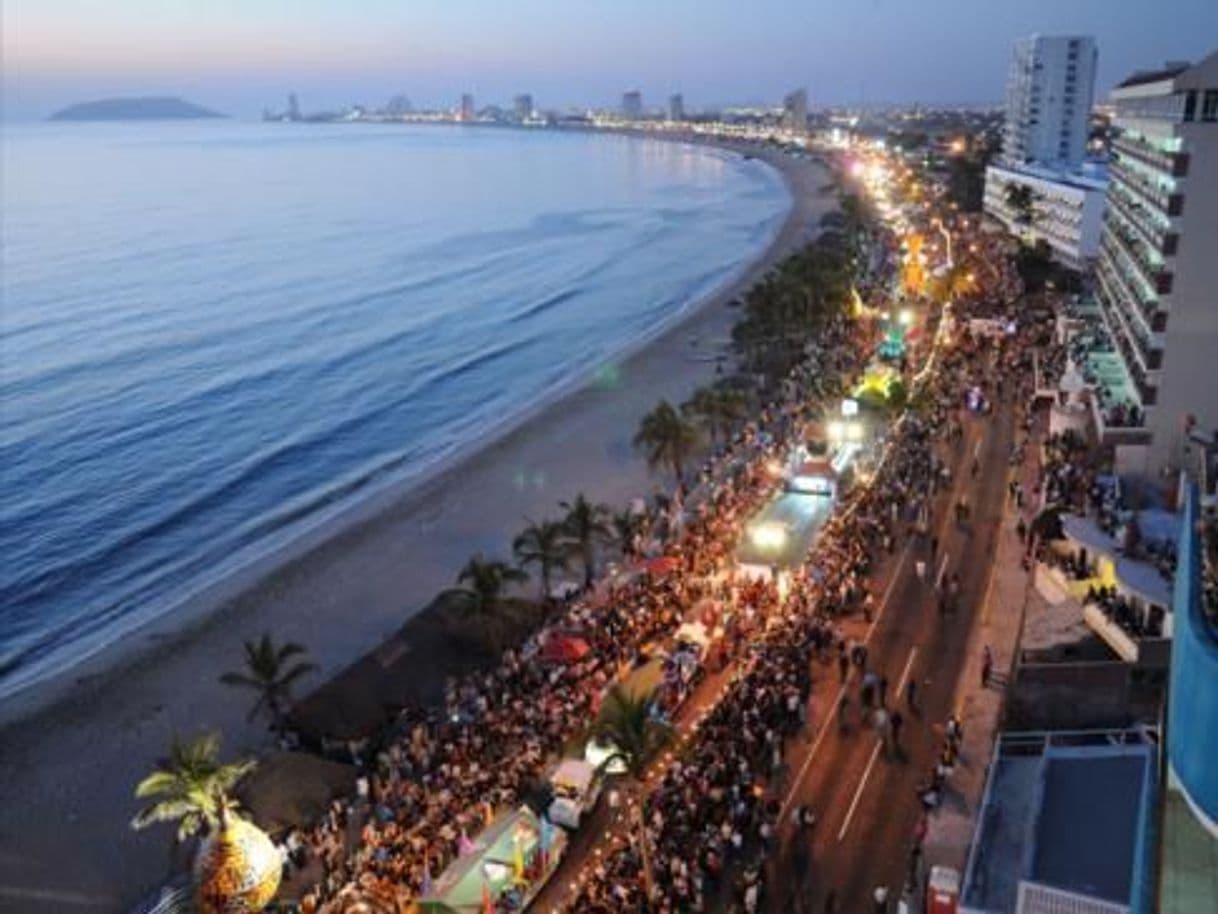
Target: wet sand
{"points": [[71, 750]]}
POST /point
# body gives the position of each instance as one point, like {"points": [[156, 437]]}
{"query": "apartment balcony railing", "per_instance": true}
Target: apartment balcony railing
{"points": [[1147, 393], [1146, 350], [1157, 278], [1172, 163], [1172, 204], [1153, 318], [1136, 216]]}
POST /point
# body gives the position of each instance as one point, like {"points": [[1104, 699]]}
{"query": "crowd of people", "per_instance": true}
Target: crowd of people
{"points": [[714, 810], [442, 775]]}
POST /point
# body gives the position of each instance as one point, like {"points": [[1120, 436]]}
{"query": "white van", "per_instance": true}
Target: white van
{"points": [[576, 785]]}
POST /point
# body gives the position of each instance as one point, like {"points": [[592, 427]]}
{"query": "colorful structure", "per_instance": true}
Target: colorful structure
{"points": [[913, 273], [237, 869]]}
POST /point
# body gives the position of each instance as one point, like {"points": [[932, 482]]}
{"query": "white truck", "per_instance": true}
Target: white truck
{"points": [[576, 786]]}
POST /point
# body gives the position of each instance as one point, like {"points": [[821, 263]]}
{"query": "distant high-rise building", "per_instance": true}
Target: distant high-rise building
{"points": [[1050, 88], [1157, 274], [632, 105], [293, 107], [676, 107], [522, 106], [795, 111], [467, 107]]}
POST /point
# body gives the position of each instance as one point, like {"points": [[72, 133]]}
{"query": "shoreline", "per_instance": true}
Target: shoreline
{"points": [[341, 589], [177, 618]]}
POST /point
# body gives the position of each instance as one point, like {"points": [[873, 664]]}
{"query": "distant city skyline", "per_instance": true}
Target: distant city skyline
{"points": [[240, 57]]}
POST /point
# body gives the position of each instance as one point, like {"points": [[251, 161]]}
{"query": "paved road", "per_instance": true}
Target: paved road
{"points": [[866, 802]]}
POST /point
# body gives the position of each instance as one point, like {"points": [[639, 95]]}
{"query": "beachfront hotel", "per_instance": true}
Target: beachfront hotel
{"points": [[1157, 274], [1050, 87]]}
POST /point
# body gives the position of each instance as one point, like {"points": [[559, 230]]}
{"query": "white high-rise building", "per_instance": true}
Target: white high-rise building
{"points": [[795, 111], [1050, 88], [1154, 357]]}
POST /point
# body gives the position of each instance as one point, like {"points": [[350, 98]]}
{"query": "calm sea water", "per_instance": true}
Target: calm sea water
{"points": [[214, 334]]}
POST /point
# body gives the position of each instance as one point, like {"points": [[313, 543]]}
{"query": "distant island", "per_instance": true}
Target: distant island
{"points": [[151, 108]]}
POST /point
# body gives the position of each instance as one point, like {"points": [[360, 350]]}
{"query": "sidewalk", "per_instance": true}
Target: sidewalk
{"points": [[1010, 598]]}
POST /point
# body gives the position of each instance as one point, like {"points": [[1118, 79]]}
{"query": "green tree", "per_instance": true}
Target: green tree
{"points": [[480, 601], [625, 526], [270, 671], [1022, 199], [716, 409], [667, 439], [189, 787], [625, 723], [544, 545], [586, 526], [1034, 263]]}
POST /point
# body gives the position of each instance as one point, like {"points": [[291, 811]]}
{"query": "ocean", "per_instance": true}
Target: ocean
{"points": [[215, 335]]}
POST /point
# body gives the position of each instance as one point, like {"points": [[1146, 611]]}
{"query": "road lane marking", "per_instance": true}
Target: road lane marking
{"points": [[825, 726], [875, 753], [913, 652]]}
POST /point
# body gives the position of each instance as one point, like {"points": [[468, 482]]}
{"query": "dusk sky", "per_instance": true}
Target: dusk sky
{"points": [[242, 55]]}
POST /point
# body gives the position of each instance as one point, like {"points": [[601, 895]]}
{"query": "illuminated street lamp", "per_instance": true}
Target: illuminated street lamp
{"points": [[906, 317]]}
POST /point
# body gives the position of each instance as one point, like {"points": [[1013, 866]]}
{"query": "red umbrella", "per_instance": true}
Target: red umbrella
{"points": [[565, 649], [665, 564]]}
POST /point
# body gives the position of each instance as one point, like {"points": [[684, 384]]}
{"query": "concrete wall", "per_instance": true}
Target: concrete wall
{"points": [[1192, 721], [1081, 696]]}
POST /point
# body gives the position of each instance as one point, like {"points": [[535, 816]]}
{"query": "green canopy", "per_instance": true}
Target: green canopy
{"points": [[491, 863]]}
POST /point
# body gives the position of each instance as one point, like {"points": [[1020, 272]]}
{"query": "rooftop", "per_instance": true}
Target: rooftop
{"points": [[1169, 71], [1068, 811]]}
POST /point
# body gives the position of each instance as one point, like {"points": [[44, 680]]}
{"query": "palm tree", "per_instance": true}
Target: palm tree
{"points": [[542, 544], [1022, 199], [270, 672], [190, 786], [625, 723], [717, 409], [626, 526], [666, 438], [480, 599], [585, 526]]}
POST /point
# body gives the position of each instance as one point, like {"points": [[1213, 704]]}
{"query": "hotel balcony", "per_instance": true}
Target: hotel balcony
{"points": [[1171, 163], [1141, 384], [1136, 216], [1153, 316], [1116, 407], [1115, 294], [1168, 202], [1156, 277]]}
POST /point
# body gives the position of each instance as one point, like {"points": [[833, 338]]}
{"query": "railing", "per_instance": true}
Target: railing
{"points": [[1036, 898], [1136, 250], [1148, 351], [1152, 310], [1174, 163], [1162, 240], [1160, 199]]}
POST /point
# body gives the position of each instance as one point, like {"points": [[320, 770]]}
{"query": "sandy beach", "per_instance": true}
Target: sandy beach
{"points": [[71, 750]]}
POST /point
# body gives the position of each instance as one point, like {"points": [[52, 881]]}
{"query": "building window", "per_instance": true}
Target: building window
{"points": [[1209, 105], [1190, 105]]}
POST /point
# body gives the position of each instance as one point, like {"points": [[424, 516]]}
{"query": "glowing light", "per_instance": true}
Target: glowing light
{"points": [[768, 536], [905, 317]]}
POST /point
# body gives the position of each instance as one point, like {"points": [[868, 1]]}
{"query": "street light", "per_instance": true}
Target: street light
{"points": [[906, 317]]}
